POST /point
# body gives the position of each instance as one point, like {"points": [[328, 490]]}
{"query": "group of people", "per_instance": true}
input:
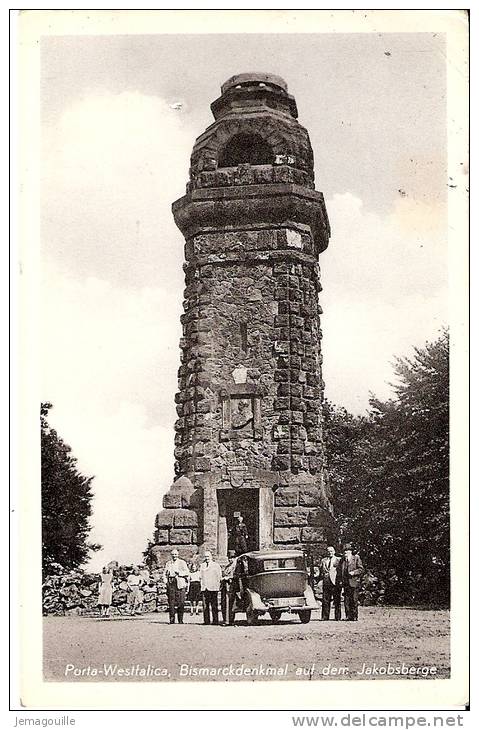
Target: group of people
{"points": [[200, 580], [134, 583], [204, 580], [340, 575]]}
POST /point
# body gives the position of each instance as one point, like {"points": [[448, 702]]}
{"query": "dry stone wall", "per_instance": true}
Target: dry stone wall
{"points": [[76, 592]]}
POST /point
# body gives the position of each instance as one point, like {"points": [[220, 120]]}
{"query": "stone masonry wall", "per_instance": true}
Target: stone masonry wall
{"points": [[250, 387], [261, 312]]}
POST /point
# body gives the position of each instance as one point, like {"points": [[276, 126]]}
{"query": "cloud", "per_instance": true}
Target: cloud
{"points": [[110, 357], [113, 164], [385, 290]]}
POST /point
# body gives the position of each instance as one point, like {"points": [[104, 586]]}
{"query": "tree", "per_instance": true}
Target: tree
{"points": [[66, 502], [390, 476]]}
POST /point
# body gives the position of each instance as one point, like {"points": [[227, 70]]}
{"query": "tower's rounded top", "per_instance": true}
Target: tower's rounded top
{"points": [[253, 78]]}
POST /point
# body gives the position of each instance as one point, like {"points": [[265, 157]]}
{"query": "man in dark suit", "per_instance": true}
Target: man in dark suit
{"points": [[351, 571], [331, 575]]}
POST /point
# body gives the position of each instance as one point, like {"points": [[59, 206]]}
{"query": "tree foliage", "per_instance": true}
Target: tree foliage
{"points": [[66, 502], [389, 472]]}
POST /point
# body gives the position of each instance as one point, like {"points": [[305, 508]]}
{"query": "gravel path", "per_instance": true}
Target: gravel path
{"points": [[147, 648]]}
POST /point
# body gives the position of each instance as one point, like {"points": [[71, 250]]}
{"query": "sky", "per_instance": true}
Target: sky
{"points": [[119, 118]]}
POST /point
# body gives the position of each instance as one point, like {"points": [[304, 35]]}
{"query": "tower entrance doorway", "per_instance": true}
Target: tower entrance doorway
{"points": [[231, 503]]}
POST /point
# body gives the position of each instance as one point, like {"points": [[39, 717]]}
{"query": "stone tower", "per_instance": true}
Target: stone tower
{"points": [[249, 402]]}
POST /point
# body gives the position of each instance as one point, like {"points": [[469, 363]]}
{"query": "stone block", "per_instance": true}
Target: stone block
{"points": [[281, 462], [297, 321], [281, 320], [297, 446], [290, 516], [309, 496], [281, 267], [180, 536], [164, 518], [297, 348], [286, 534], [286, 497], [202, 464], [281, 432], [313, 534], [185, 518], [298, 462], [294, 375], [203, 407], [311, 419], [171, 501], [161, 537]]}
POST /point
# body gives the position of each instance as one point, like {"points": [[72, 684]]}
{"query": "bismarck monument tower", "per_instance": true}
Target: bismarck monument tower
{"points": [[249, 430]]}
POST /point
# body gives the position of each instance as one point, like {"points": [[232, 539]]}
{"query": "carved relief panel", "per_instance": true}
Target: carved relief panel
{"points": [[241, 412]]}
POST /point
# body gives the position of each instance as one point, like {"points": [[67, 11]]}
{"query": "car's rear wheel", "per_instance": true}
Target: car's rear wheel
{"points": [[251, 616], [305, 617], [275, 616]]}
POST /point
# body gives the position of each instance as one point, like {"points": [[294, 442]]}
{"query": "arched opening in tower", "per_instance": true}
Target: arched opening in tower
{"points": [[246, 148]]}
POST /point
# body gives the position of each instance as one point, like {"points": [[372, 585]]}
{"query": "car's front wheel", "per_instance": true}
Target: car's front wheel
{"points": [[305, 617]]}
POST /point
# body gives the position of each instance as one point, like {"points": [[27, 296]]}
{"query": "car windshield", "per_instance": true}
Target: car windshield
{"points": [[266, 564]]}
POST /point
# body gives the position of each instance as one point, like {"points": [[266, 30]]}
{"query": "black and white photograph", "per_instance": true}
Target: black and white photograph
{"points": [[246, 347]]}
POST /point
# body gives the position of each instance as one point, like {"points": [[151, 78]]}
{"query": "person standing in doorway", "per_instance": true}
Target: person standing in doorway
{"points": [[210, 574], [331, 575], [175, 576], [351, 571], [239, 536]]}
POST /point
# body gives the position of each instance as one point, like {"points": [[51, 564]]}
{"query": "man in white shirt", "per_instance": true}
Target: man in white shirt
{"points": [[210, 573], [331, 575], [176, 575]]}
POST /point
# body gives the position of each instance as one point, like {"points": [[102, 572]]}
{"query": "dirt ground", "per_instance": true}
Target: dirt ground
{"points": [[148, 648]]}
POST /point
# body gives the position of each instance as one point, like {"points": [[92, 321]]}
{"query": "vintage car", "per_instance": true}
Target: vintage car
{"points": [[271, 581]]}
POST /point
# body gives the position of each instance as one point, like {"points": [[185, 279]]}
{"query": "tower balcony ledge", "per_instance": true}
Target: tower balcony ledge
{"points": [[208, 209]]}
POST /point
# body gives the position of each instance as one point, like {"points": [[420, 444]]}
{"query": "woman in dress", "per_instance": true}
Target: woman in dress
{"points": [[194, 592], [106, 591]]}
